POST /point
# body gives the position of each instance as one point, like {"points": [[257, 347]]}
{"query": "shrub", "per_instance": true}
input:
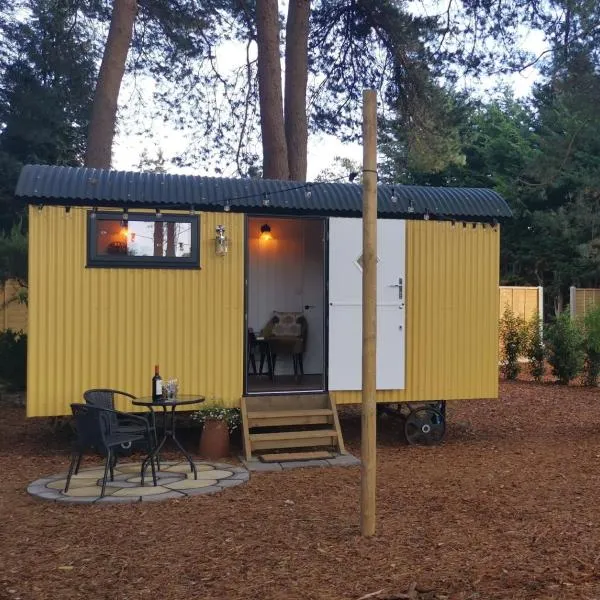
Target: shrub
{"points": [[13, 359], [513, 334], [564, 340], [535, 350], [591, 331]]}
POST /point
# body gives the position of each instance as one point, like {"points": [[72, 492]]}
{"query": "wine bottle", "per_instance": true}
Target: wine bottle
{"points": [[156, 385]]}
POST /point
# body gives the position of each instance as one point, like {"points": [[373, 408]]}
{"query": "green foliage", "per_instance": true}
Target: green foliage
{"points": [[591, 329], [565, 343], [13, 255], [46, 85], [13, 359], [513, 335], [535, 349], [217, 411]]}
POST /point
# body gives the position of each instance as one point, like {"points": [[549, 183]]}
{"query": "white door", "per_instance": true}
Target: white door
{"points": [[345, 304]]}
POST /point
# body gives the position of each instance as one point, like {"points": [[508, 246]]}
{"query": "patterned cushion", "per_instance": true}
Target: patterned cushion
{"points": [[287, 324]]}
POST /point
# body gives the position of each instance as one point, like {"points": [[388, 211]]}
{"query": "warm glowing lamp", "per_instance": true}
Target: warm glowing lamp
{"points": [[265, 232], [124, 231]]}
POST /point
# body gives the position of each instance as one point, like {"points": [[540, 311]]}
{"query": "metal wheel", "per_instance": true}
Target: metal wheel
{"points": [[425, 426]]}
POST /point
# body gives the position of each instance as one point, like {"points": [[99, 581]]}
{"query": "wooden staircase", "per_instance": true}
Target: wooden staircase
{"points": [[293, 421]]}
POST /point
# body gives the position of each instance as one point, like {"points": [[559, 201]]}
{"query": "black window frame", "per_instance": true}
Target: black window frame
{"points": [[142, 262]]}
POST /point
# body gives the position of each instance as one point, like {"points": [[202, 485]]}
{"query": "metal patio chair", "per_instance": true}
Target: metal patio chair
{"points": [[96, 432], [105, 398]]}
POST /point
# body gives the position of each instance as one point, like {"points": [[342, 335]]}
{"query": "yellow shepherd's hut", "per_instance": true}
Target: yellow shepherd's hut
{"points": [[210, 277]]}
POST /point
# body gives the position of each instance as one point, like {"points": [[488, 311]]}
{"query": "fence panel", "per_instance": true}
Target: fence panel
{"points": [[582, 299], [13, 314], [523, 301]]}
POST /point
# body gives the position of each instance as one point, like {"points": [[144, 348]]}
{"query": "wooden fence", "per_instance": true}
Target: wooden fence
{"points": [[582, 299], [13, 314], [523, 301]]}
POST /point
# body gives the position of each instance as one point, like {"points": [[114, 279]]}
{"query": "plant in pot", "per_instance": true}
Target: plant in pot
{"points": [[217, 422]]}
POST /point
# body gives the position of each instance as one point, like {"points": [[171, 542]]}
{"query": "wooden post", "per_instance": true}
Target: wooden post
{"points": [[369, 316]]}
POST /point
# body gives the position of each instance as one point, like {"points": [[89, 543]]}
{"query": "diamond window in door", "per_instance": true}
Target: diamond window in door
{"points": [[359, 262]]}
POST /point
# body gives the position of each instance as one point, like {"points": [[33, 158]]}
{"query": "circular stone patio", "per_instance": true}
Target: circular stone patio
{"points": [[174, 480]]}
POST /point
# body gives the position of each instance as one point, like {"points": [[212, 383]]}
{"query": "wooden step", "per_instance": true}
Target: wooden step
{"points": [[291, 411], [293, 439], [287, 402], [278, 418], [289, 456], [286, 435]]}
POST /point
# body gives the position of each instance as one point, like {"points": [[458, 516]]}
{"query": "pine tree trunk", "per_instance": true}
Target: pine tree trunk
{"points": [[106, 96], [296, 77], [275, 160]]}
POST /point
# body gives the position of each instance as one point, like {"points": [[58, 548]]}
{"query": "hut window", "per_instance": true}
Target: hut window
{"points": [[143, 240]]}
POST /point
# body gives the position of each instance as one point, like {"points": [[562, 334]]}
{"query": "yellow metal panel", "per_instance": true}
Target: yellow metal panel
{"points": [[451, 314], [92, 327]]}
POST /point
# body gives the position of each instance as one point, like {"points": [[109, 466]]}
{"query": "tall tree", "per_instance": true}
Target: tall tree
{"points": [[275, 156], [46, 89], [296, 80], [106, 96]]}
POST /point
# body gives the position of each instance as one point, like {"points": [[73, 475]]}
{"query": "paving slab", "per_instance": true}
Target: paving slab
{"points": [[77, 499], [344, 460], [297, 464], [226, 483], [263, 467], [205, 490], [165, 496]]}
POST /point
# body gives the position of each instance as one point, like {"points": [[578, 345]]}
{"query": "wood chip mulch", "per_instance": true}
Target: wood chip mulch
{"points": [[506, 507]]}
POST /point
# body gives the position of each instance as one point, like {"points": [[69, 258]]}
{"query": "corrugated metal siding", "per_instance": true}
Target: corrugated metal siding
{"points": [[71, 185], [452, 314], [108, 327]]}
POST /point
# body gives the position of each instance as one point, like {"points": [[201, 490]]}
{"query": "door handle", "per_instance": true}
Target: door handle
{"points": [[400, 287], [309, 306]]}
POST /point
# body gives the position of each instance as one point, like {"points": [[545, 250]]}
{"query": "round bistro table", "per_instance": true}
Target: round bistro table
{"points": [[168, 424]]}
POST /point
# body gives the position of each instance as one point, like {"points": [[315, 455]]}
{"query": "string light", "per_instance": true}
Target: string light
{"points": [[227, 206], [394, 199], [411, 206], [158, 214], [308, 192], [266, 201]]}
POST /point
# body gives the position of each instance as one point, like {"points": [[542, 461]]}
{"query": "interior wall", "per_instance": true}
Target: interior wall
{"points": [[286, 273]]}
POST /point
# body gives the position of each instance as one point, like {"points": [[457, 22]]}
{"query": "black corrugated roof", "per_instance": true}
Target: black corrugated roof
{"points": [[79, 186]]}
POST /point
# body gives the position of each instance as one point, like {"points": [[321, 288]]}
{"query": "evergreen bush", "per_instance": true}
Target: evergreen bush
{"points": [[565, 343], [13, 359], [591, 329], [513, 335], [535, 349]]}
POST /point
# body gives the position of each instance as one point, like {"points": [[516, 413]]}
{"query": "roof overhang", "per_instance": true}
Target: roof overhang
{"points": [[103, 188]]}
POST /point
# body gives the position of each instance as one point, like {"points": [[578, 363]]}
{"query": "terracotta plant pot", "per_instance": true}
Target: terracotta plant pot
{"points": [[214, 441]]}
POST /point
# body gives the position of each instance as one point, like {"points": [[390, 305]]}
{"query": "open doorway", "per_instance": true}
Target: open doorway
{"points": [[285, 305]]}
